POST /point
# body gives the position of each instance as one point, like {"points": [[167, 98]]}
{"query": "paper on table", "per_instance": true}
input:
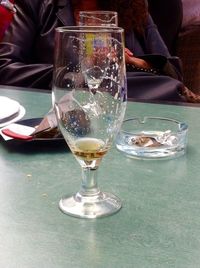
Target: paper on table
{"points": [[50, 121], [17, 128], [47, 123]]}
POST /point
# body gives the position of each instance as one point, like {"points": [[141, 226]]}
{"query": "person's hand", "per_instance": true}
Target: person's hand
{"points": [[130, 59]]}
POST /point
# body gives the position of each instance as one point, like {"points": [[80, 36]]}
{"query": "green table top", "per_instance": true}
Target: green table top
{"points": [[158, 226]]}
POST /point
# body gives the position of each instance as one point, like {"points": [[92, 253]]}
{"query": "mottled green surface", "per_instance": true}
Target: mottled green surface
{"points": [[158, 226]]}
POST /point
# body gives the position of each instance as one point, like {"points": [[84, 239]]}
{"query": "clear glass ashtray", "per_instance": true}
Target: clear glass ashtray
{"points": [[152, 138]]}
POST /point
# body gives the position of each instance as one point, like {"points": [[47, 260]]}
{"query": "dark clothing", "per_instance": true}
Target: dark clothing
{"points": [[26, 53], [168, 16]]}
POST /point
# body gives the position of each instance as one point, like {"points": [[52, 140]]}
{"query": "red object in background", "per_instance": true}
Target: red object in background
{"points": [[6, 16]]}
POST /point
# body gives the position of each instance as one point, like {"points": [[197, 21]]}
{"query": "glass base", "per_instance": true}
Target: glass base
{"points": [[90, 207]]}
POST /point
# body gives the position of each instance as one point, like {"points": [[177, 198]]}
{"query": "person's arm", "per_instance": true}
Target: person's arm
{"points": [[19, 62], [158, 53], [157, 58]]}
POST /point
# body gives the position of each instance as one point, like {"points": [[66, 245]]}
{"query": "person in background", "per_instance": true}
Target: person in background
{"points": [[26, 52]]}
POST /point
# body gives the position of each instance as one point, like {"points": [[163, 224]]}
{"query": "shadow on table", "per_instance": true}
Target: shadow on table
{"points": [[35, 146]]}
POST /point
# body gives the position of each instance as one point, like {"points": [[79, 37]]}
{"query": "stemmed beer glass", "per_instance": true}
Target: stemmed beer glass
{"points": [[89, 98]]}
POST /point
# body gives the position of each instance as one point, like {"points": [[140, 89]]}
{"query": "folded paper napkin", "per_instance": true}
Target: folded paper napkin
{"points": [[48, 127]]}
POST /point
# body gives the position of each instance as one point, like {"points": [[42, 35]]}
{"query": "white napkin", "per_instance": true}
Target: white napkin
{"points": [[19, 129]]}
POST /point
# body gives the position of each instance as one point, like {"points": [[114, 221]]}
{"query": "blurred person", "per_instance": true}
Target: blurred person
{"points": [[26, 53]]}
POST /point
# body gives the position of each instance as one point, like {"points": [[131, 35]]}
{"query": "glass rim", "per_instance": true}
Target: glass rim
{"points": [[181, 126], [88, 28], [98, 12]]}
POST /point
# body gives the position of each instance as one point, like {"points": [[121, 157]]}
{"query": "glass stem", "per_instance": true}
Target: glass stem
{"points": [[89, 185]]}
